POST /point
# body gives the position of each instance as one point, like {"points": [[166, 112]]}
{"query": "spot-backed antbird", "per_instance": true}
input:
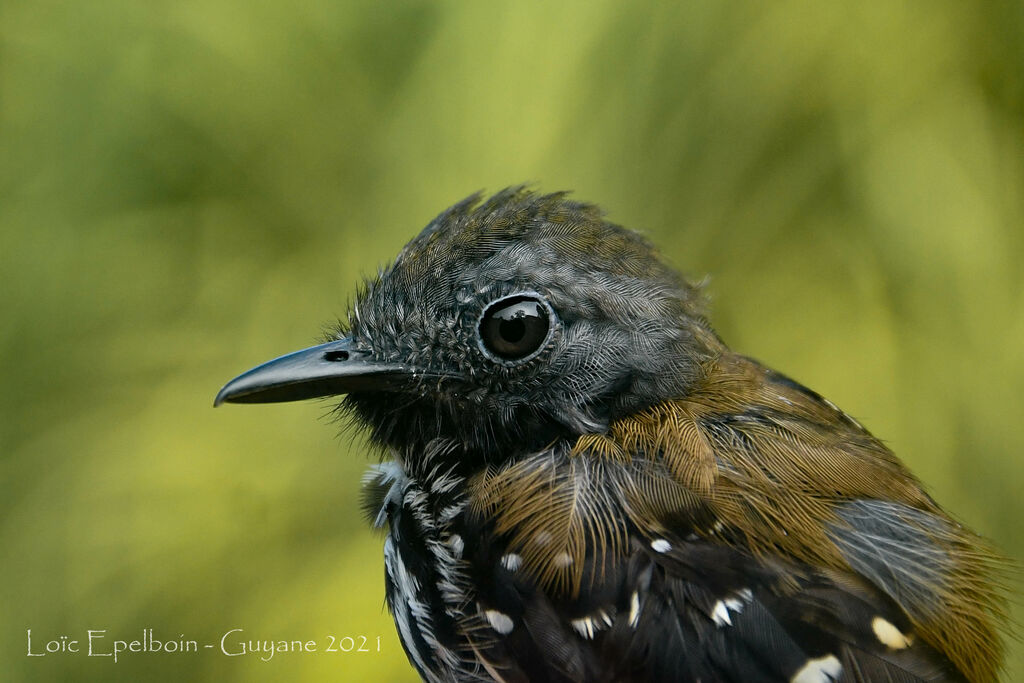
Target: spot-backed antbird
{"points": [[581, 482]]}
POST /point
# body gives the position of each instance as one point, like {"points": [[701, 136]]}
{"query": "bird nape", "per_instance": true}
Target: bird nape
{"points": [[581, 482]]}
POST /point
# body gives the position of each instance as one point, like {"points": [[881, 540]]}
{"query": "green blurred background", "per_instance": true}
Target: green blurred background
{"points": [[189, 188]]}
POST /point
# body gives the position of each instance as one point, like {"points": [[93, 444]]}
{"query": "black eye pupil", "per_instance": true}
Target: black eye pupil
{"points": [[515, 327], [512, 331]]}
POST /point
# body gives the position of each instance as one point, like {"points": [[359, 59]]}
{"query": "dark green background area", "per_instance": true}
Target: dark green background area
{"points": [[189, 188]]}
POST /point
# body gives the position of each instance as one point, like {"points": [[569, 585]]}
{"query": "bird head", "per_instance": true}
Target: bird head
{"points": [[506, 324]]}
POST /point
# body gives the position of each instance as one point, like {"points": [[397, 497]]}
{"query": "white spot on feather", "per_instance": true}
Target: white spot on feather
{"points": [[634, 609], [660, 545], [502, 623], [455, 541], [511, 562], [889, 635], [822, 670], [563, 560], [720, 612], [588, 626], [585, 627]]}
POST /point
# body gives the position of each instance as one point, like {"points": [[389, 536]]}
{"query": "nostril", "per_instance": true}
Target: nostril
{"points": [[334, 356]]}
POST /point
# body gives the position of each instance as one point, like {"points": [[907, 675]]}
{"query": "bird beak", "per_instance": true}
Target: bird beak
{"points": [[336, 367]]}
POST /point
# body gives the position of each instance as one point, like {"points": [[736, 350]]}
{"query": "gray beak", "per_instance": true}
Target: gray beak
{"points": [[329, 369]]}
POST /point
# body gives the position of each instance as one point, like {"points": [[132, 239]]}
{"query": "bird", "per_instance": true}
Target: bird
{"points": [[578, 480]]}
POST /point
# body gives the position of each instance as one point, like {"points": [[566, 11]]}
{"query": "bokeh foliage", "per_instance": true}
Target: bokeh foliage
{"points": [[190, 187]]}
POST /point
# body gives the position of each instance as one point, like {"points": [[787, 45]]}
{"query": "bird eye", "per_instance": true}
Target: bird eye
{"points": [[515, 327]]}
